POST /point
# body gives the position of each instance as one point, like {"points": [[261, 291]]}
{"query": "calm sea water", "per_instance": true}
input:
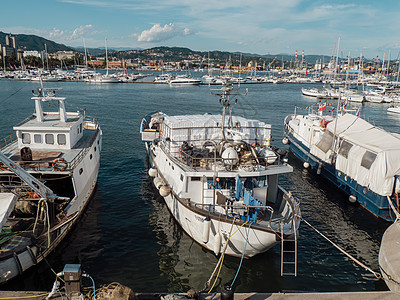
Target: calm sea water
{"points": [[127, 234]]}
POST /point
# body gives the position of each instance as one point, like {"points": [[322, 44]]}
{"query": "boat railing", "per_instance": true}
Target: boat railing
{"points": [[229, 163], [232, 211], [4, 142]]}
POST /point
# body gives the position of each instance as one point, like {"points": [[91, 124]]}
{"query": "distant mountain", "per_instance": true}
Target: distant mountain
{"points": [[165, 54], [102, 50], [33, 42], [234, 58]]}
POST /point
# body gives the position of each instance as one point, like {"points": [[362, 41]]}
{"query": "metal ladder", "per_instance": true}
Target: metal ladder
{"points": [[289, 253]]}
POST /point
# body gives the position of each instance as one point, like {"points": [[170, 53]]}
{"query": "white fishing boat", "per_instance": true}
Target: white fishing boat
{"points": [[219, 179], [48, 171]]}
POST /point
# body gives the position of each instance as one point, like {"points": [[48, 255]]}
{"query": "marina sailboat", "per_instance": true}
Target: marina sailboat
{"points": [[48, 172], [219, 179]]}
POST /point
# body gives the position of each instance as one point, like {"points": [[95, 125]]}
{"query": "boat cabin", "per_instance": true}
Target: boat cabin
{"points": [[50, 130]]}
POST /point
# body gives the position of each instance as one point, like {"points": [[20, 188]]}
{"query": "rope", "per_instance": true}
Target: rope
{"points": [[221, 259], [5, 99], [241, 260], [376, 274], [394, 209], [24, 297]]}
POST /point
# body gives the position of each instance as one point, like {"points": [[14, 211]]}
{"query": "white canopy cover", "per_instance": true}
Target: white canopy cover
{"points": [[367, 154]]}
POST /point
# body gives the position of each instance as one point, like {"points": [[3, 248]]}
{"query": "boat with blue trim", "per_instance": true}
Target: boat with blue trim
{"points": [[359, 158]]}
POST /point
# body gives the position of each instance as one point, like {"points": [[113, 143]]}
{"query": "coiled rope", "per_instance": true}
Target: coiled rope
{"points": [[376, 274]]}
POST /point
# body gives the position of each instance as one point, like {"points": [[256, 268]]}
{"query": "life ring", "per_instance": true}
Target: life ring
{"points": [[323, 124], [59, 164]]}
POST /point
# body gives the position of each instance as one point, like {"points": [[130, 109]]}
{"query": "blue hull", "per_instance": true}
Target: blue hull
{"points": [[376, 204]]}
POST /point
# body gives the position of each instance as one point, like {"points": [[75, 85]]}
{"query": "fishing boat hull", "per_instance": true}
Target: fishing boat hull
{"points": [[377, 204], [29, 255], [248, 239]]}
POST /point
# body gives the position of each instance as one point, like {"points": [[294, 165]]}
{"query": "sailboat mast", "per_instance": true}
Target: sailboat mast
{"points": [[84, 45], [106, 58]]}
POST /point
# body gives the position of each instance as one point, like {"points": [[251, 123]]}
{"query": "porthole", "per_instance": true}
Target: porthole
{"points": [[91, 156], [80, 171], [95, 149]]}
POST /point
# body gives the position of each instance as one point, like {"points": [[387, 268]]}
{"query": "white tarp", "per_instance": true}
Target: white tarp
{"points": [[7, 203], [195, 129], [378, 176]]}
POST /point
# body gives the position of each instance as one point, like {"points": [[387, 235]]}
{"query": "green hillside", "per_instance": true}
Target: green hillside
{"points": [[33, 42]]}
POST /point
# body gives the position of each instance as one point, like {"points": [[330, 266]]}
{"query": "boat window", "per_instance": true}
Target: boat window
{"points": [[345, 148], [368, 159], [326, 141], [37, 138], [49, 138], [195, 178], [80, 126], [61, 139], [181, 177], [26, 138], [80, 171]]}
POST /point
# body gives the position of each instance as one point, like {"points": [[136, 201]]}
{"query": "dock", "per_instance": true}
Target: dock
{"points": [[382, 295]]}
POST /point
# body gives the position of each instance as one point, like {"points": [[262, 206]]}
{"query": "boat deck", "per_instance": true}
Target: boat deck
{"points": [[41, 158]]}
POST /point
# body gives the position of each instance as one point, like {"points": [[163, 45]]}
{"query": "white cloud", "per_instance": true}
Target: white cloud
{"points": [[80, 32], [56, 33], [159, 34]]}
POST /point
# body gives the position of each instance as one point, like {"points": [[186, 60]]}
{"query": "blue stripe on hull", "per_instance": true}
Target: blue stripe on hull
{"points": [[376, 204]]}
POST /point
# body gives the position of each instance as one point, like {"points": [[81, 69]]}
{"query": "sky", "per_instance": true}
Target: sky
{"points": [[250, 26]]}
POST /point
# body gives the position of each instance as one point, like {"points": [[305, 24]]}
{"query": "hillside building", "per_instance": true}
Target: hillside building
{"points": [[10, 47]]}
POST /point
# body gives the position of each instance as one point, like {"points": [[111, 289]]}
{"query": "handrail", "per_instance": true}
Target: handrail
{"points": [[244, 208], [8, 140], [195, 162]]}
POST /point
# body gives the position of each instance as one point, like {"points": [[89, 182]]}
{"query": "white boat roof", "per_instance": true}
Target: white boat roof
{"points": [[184, 121], [50, 122]]}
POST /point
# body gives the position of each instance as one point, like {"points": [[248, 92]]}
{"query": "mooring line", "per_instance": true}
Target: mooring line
{"points": [[8, 97], [376, 274]]}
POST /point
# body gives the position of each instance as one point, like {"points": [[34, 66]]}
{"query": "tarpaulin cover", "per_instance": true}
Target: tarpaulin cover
{"points": [[373, 156]]}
